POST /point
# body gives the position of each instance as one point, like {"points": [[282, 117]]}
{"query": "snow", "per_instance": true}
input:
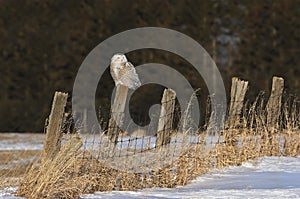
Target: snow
{"points": [[6, 193], [139, 154], [268, 177], [146, 142], [21, 141]]}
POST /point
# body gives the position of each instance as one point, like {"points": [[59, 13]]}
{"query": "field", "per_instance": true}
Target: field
{"points": [[265, 177], [149, 99], [256, 152], [17, 153]]}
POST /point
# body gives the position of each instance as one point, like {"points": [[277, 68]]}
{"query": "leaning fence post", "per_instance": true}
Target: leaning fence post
{"points": [[117, 113], [52, 143], [274, 103], [166, 118], [238, 91]]}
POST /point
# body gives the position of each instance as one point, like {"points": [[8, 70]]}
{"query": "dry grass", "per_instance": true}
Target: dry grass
{"points": [[69, 175], [14, 164], [18, 160]]}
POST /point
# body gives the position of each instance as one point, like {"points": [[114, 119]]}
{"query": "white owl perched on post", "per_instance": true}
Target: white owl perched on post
{"points": [[123, 72]]}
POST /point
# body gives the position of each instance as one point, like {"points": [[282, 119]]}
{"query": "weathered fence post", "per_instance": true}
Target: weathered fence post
{"points": [[117, 113], [238, 91], [274, 103], [166, 118], [52, 143]]}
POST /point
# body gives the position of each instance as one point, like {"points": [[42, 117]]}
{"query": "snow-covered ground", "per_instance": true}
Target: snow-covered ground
{"points": [[268, 177], [7, 193], [21, 141]]}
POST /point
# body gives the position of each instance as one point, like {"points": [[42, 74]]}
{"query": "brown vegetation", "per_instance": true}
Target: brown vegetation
{"points": [[71, 173], [78, 168], [69, 176]]}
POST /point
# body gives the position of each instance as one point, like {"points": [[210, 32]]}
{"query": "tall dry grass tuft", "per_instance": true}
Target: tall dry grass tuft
{"points": [[47, 180]]}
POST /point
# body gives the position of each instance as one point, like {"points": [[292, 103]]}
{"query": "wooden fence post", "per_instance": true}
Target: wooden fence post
{"points": [[238, 91], [274, 103], [52, 143], [117, 113], [166, 118]]}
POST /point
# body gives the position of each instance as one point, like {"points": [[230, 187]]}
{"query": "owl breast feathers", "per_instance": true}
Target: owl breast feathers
{"points": [[123, 72]]}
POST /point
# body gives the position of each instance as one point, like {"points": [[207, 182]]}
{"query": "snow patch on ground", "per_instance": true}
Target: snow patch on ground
{"points": [[268, 177], [7, 193], [21, 141]]}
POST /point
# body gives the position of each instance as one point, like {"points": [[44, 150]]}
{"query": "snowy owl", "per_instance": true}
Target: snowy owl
{"points": [[123, 72]]}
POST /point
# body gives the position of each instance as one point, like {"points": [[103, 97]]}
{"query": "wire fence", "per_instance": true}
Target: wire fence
{"points": [[139, 151], [172, 156]]}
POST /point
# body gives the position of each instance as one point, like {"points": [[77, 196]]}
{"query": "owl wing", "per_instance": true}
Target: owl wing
{"points": [[128, 76]]}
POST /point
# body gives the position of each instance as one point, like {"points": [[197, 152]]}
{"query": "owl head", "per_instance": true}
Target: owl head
{"points": [[118, 58]]}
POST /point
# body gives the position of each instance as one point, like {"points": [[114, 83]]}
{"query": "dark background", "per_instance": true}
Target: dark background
{"points": [[43, 43]]}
